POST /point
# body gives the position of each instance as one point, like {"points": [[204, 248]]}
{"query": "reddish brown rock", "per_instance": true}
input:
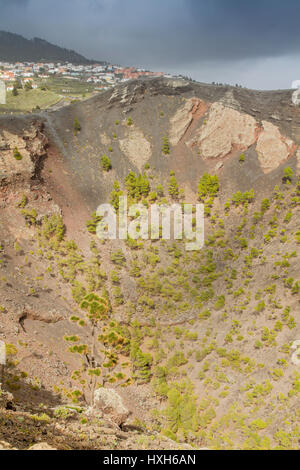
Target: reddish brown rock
{"points": [[226, 130], [183, 118]]}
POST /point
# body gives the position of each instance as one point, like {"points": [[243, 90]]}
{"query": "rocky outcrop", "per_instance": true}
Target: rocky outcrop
{"points": [[184, 117], [6, 399], [41, 446], [105, 139], [298, 160], [229, 101], [127, 94], [6, 446], [109, 405], [225, 131], [135, 91], [31, 145], [49, 317], [272, 148], [296, 97], [11, 168], [136, 147]]}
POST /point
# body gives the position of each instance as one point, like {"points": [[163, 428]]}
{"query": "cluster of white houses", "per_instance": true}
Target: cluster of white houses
{"points": [[104, 75]]}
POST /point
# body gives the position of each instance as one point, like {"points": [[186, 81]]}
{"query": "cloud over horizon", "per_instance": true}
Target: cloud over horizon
{"points": [[255, 43]]}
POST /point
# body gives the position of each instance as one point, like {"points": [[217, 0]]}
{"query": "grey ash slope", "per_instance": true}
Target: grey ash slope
{"points": [[152, 104]]}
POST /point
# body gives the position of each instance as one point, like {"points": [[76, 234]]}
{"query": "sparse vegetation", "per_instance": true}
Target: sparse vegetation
{"points": [[205, 338]]}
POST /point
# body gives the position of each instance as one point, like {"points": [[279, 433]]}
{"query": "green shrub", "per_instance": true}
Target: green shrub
{"points": [[96, 307], [53, 226], [118, 258], [78, 292], [260, 306], [160, 190], [142, 362], [240, 198], [173, 187], [208, 186], [181, 413], [23, 202], [166, 146], [105, 163], [114, 195], [30, 216], [17, 154], [205, 315], [76, 126], [93, 222], [177, 360], [137, 186], [118, 296], [288, 175], [220, 303], [265, 205]]}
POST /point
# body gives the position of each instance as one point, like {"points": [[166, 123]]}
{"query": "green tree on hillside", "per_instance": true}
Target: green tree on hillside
{"points": [[77, 126], [173, 187], [115, 194], [288, 175], [166, 146], [97, 309], [105, 163], [181, 413], [137, 186], [17, 154], [208, 186]]}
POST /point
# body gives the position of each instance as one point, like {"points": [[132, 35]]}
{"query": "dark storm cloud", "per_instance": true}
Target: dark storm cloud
{"points": [[9, 3], [164, 34], [236, 29], [168, 30]]}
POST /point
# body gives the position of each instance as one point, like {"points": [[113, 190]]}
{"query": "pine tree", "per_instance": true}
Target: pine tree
{"points": [[106, 163], [77, 126], [208, 186], [166, 146], [97, 309], [114, 195], [173, 187]]}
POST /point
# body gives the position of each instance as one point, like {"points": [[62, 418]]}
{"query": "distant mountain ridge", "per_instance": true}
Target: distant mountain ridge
{"points": [[16, 48]]}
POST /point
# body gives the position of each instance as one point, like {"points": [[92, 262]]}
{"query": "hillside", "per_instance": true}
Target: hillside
{"points": [[201, 347], [16, 48]]}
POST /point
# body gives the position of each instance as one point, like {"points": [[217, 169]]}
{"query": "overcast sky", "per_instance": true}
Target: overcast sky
{"points": [[252, 42]]}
